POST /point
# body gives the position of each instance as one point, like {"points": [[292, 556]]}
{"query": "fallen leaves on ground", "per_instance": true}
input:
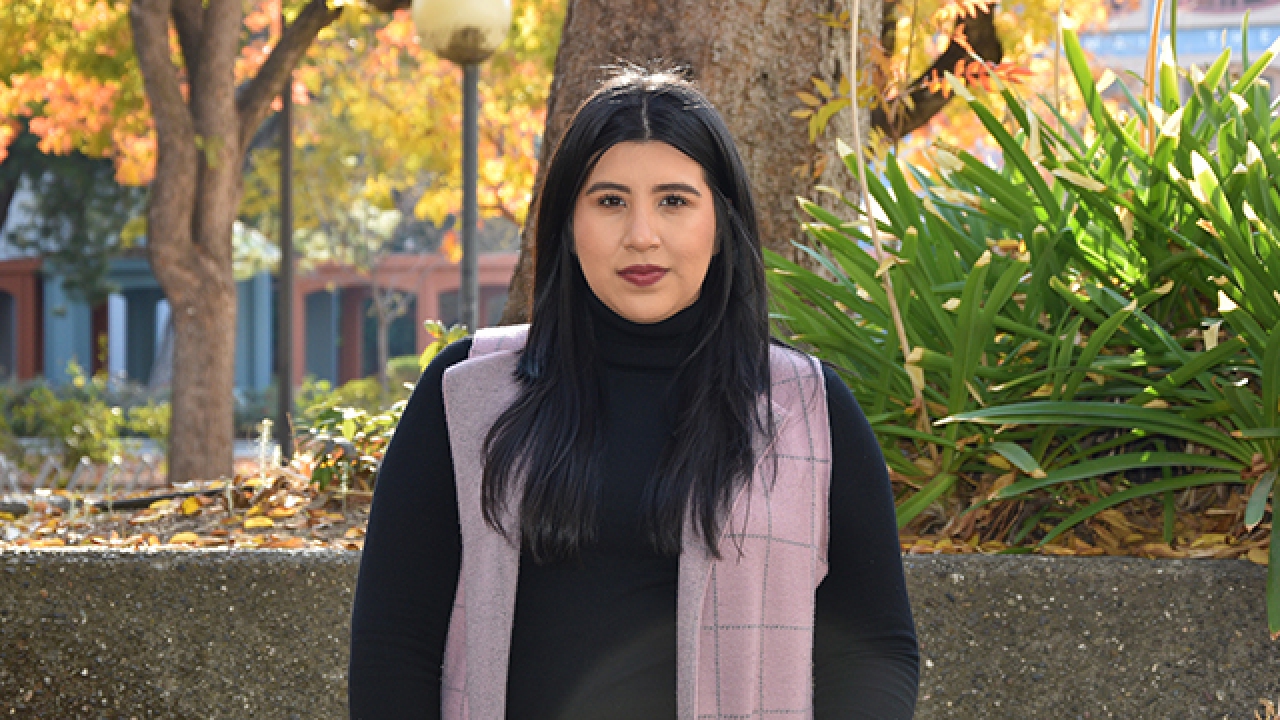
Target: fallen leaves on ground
{"points": [[276, 509], [1208, 524]]}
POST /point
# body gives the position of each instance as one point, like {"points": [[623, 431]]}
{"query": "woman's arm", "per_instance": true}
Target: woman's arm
{"points": [[409, 567], [866, 660]]}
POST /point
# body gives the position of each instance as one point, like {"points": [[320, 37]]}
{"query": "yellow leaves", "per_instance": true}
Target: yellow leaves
{"points": [[947, 162], [1211, 334], [809, 99], [1258, 556], [1225, 304], [184, 538], [1172, 125], [8, 130], [436, 206], [1078, 179], [1210, 539], [914, 371], [144, 517], [1045, 390], [1126, 222], [1001, 483], [259, 521], [887, 262], [191, 506]]}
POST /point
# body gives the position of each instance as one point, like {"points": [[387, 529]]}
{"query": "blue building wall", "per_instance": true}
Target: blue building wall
{"points": [[68, 325], [323, 313], [254, 332], [66, 331]]}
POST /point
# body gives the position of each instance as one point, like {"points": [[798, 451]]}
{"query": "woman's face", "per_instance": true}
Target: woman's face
{"points": [[644, 230]]}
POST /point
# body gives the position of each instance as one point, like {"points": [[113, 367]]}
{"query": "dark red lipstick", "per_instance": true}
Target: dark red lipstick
{"points": [[642, 275]]}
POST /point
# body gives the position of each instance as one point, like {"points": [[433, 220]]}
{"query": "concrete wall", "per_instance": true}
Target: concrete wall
{"points": [[263, 634]]}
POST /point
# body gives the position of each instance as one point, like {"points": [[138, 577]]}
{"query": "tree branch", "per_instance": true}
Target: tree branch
{"points": [[254, 100], [980, 31], [149, 20], [188, 19], [387, 6]]}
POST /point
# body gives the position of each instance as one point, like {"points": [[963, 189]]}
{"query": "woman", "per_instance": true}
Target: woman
{"points": [[637, 507]]}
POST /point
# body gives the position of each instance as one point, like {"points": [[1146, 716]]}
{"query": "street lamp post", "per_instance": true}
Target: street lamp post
{"points": [[465, 32]]}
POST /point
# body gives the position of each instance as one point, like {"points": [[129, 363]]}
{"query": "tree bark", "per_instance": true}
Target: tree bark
{"points": [[749, 57], [201, 140]]}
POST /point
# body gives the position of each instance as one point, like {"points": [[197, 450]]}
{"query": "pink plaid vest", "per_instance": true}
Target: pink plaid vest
{"points": [[744, 646]]}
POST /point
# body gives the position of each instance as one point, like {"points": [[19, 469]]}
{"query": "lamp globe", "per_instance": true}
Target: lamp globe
{"points": [[465, 32]]}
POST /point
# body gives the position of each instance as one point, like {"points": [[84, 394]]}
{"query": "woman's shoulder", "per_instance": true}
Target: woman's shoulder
{"points": [[452, 354], [787, 362], [501, 338]]}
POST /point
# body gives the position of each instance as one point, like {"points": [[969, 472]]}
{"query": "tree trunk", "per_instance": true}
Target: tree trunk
{"points": [[749, 57], [202, 132], [204, 325]]}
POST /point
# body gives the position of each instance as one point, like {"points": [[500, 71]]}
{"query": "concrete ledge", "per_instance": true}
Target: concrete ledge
{"points": [[213, 634]]}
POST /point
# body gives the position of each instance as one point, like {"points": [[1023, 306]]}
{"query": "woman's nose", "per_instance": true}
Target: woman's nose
{"points": [[641, 234]]}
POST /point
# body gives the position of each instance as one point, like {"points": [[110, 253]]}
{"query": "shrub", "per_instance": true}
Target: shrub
{"points": [[1095, 322], [89, 417], [350, 428]]}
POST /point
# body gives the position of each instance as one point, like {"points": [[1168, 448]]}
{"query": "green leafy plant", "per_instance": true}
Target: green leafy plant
{"points": [[1095, 321], [442, 338], [350, 427], [348, 445]]}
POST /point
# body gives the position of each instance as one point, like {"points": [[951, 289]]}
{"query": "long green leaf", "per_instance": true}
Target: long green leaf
{"points": [[1258, 500], [1113, 464], [1137, 491]]}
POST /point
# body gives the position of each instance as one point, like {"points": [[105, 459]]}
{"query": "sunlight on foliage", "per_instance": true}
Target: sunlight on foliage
{"points": [[1094, 317]]}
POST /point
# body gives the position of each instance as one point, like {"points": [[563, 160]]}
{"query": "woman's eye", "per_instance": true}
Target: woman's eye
{"points": [[674, 201], [610, 201]]}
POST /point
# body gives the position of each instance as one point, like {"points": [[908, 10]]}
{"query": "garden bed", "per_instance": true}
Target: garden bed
{"points": [[280, 508]]}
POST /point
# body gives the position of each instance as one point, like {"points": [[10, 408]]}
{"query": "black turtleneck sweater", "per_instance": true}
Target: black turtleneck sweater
{"points": [[594, 638]]}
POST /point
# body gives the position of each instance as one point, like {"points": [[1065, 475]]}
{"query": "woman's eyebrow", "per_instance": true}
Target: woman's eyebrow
{"points": [[677, 187], [605, 185]]}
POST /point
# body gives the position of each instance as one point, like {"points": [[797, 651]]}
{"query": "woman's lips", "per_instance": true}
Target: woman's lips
{"points": [[642, 275]]}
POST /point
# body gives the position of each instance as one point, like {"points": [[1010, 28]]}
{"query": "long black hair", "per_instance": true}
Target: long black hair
{"points": [[547, 441]]}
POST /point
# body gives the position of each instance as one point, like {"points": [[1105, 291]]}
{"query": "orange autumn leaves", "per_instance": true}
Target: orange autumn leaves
{"points": [[69, 73], [72, 76], [67, 70]]}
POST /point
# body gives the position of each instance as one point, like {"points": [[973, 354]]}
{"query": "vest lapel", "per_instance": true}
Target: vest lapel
{"points": [[696, 563], [476, 392]]}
